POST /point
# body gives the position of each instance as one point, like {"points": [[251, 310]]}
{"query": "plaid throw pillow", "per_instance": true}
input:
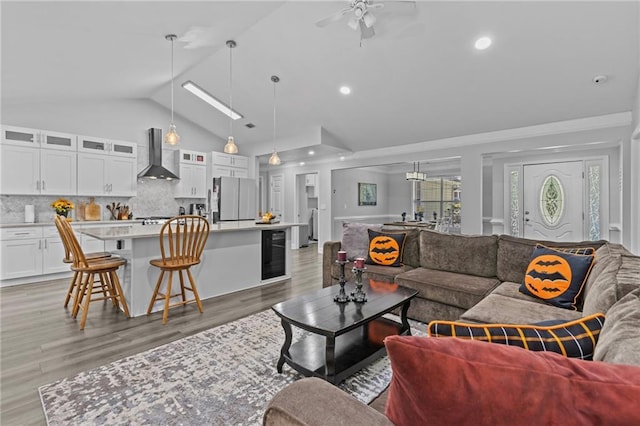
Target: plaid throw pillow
{"points": [[574, 339]]}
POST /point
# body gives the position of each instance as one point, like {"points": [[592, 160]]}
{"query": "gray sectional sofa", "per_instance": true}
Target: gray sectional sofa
{"points": [[475, 279]]}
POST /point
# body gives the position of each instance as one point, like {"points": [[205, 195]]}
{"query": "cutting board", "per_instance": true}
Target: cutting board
{"points": [[92, 211]]}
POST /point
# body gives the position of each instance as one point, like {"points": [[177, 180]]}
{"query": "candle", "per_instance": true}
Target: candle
{"points": [[359, 263], [342, 256]]}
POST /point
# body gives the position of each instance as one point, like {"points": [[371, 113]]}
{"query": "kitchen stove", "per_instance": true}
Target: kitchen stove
{"points": [[154, 220]]}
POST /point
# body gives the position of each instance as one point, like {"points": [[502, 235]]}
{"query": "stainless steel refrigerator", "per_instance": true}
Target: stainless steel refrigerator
{"points": [[234, 198]]}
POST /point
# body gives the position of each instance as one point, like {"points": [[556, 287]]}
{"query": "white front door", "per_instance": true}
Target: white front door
{"points": [[553, 201], [277, 195]]}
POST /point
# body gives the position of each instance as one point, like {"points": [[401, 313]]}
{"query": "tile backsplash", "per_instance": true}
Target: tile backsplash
{"points": [[154, 198]]}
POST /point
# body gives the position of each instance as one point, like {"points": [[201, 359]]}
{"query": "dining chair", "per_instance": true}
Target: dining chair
{"points": [[102, 271], [68, 258], [182, 240]]}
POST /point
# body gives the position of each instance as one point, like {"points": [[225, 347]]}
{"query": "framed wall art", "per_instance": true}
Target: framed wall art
{"points": [[367, 194]]}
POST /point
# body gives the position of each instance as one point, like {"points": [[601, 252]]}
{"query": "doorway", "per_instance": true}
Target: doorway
{"points": [[307, 208], [553, 201], [276, 198]]}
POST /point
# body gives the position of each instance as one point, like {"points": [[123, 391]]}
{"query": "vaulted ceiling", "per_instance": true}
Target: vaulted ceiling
{"points": [[418, 79]]}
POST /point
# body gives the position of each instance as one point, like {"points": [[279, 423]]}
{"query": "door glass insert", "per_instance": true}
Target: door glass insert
{"points": [[514, 190], [551, 200], [594, 202]]}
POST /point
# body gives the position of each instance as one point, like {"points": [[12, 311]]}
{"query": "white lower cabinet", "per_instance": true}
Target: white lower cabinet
{"points": [[31, 251], [21, 258]]}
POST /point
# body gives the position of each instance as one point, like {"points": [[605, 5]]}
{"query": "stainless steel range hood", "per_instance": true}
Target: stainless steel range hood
{"points": [[155, 170]]}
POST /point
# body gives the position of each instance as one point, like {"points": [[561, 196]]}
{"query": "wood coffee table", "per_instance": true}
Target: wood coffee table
{"points": [[345, 336]]}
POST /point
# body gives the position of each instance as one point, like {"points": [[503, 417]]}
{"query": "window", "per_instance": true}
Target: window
{"points": [[438, 197]]}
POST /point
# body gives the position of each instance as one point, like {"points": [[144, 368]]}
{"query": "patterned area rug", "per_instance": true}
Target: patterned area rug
{"points": [[212, 377]]}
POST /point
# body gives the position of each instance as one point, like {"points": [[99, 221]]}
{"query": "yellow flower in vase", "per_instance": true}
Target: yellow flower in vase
{"points": [[62, 206]]}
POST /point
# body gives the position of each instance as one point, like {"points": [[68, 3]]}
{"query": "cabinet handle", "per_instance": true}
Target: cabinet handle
{"points": [[21, 233], [39, 244], [106, 187], [38, 185], [46, 246], [44, 187]]}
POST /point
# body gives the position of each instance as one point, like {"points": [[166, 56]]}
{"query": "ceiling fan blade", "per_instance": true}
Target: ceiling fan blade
{"points": [[366, 32], [333, 18]]}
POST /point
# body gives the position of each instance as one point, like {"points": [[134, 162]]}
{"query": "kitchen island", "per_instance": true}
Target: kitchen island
{"points": [[231, 260]]}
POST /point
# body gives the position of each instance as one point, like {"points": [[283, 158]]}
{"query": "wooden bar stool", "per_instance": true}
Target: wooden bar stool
{"points": [[105, 271], [74, 285], [185, 238]]}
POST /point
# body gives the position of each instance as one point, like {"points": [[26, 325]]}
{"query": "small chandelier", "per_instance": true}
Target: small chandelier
{"points": [[274, 160], [231, 147], [171, 137], [416, 175]]}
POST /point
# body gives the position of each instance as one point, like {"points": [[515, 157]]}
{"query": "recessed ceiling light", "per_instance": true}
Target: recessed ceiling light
{"points": [[302, 163], [342, 158], [210, 99], [482, 43], [311, 152], [345, 90]]}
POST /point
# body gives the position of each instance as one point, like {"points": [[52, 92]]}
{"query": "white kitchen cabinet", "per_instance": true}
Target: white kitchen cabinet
{"points": [[31, 251], [192, 170], [27, 170], [20, 136], [37, 162], [229, 165], [106, 167], [53, 252]]}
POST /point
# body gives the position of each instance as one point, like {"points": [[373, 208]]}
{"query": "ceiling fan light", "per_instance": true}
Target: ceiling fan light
{"points": [[231, 147], [369, 19], [353, 23], [172, 137]]}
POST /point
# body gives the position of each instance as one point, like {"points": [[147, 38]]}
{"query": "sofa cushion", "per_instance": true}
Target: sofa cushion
{"points": [[497, 308], [573, 339], [411, 252], [620, 337], [450, 288], [458, 382], [619, 277], [465, 254], [355, 239], [556, 276], [385, 248], [514, 254]]}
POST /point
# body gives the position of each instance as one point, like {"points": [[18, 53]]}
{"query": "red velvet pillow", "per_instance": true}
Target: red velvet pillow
{"points": [[448, 381]]}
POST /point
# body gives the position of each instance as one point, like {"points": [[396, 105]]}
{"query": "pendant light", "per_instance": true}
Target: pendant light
{"points": [[274, 160], [231, 147], [417, 176], [171, 137]]}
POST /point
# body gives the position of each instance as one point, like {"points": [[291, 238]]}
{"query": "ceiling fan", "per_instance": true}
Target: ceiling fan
{"points": [[362, 16]]}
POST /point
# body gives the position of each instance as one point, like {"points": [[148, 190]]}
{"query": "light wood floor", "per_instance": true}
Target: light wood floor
{"points": [[41, 343]]}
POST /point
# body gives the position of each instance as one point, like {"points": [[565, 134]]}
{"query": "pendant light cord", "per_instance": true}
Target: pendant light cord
{"points": [[231, 46], [275, 80], [172, 38]]}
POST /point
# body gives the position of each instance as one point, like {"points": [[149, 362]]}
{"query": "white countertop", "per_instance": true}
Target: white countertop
{"points": [[74, 223], [138, 230]]}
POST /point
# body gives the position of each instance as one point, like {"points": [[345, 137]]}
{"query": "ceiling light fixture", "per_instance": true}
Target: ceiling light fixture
{"points": [[345, 90], [171, 137], [211, 100], [231, 147], [482, 43], [312, 152], [416, 175], [274, 160]]}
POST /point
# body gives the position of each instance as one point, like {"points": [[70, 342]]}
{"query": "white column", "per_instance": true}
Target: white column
{"points": [[471, 165]]}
